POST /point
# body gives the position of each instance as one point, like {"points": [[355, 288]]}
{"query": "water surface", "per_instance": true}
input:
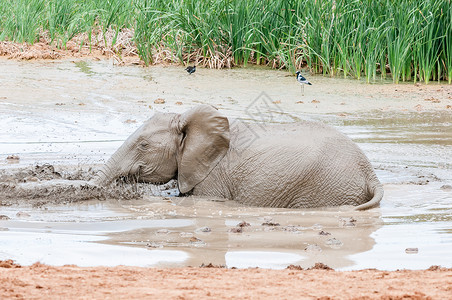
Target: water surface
{"points": [[77, 114]]}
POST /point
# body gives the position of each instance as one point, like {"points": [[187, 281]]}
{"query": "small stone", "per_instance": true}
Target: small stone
{"points": [[277, 102], [243, 224], [210, 265], [446, 187], [194, 239], [299, 102], [320, 266], [4, 217], [334, 243], [172, 213], [269, 228], [293, 229], [294, 267], [347, 222], [315, 101], [418, 107], [9, 263], [324, 233], [270, 223], [186, 234], [130, 121], [12, 159], [159, 101], [204, 229], [236, 230], [178, 103], [317, 227], [411, 250], [154, 245], [433, 100], [22, 214], [313, 248]]}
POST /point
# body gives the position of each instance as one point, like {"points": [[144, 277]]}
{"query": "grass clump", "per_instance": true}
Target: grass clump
{"points": [[408, 40]]}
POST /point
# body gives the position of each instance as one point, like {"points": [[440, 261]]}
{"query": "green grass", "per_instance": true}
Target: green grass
{"points": [[21, 19], [409, 40]]}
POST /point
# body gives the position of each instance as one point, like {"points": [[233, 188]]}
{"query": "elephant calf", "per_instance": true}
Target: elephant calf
{"points": [[299, 165]]}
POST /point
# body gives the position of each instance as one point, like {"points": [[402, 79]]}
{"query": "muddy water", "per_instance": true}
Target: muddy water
{"points": [[74, 114]]}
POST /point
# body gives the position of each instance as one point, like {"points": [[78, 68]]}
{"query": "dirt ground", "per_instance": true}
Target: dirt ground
{"points": [[124, 51], [70, 282]]}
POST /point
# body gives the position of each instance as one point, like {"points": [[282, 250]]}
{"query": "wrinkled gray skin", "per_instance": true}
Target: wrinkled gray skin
{"points": [[300, 165]]}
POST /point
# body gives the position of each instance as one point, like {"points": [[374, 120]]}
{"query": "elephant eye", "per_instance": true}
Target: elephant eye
{"points": [[144, 144]]}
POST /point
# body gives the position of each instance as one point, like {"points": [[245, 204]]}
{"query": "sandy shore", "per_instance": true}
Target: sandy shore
{"points": [[70, 282]]}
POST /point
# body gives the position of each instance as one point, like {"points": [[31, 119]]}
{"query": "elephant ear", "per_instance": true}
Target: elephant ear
{"points": [[205, 142]]}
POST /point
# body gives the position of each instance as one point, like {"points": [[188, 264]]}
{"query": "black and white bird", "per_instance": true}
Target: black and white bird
{"points": [[302, 81], [190, 70]]}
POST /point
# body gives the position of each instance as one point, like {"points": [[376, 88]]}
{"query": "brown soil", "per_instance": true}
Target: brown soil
{"points": [[123, 51], [101, 46], [70, 282]]}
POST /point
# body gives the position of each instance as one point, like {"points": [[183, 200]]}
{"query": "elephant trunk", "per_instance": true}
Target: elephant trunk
{"points": [[106, 174], [112, 168]]}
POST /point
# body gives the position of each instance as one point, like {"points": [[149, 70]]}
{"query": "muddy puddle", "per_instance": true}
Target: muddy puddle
{"points": [[62, 120]]}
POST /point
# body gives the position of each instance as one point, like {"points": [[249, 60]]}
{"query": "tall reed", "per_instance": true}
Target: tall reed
{"points": [[409, 40], [22, 19]]}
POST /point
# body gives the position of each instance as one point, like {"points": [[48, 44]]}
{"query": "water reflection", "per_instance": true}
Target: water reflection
{"points": [[195, 230], [427, 128], [67, 113]]}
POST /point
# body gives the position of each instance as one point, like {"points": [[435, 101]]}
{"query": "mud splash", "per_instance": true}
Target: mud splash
{"points": [[41, 184]]}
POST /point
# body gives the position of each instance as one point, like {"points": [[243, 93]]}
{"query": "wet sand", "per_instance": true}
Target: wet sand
{"points": [[73, 114]]}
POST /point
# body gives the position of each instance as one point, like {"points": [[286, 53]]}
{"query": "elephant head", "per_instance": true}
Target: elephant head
{"points": [[184, 146]]}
